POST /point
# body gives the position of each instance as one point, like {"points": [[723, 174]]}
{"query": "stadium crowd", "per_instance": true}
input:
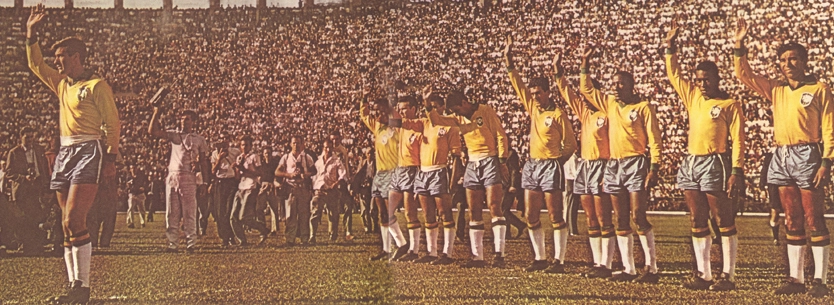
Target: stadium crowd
{"points": [[276, 73]]}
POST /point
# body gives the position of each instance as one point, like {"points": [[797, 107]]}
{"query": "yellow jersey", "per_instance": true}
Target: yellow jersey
{"points": [[801, 115], [551, 133], [711, 121], [594, 133], [386, 141]]}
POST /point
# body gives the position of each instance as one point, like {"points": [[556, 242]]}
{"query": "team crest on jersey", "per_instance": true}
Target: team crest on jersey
{"points": [[385, 136], [714, 112], [632, 115], [807, 99], [600, 122], [441, 132], [480, 121], [548, 121], [83, 93]]}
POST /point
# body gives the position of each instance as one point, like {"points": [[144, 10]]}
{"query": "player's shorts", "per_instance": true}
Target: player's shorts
{"points": [[432, 183], [589, 176], [77, 164], [626, 174], [795, 165], [403, 178], [542, 175], [706, 173], [381, 184], [482, 173]]}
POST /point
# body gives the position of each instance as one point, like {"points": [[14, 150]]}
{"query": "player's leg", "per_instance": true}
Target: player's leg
{"points": [[722, 208], [534, 201], [698, 206]]}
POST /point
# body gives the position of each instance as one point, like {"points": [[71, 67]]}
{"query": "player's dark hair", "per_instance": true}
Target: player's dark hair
{"points": [[72, 46], [625, 75], [191, 114], [541, 82], [709, 67], [412, 102], [800, 50], [455, 98], [436, 98]]}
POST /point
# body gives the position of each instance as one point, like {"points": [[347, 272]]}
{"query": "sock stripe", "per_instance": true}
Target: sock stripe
{"points": [[594, 232], [607, 231], [559, 225], [697, 232], [432, 225], [728, 231], [533, 226], [448, 224], [643, 231], [796, 238], [476, 227], [413, 225], [819, 240], [625, 232]]}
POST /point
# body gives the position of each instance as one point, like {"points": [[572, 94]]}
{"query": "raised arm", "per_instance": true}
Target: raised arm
{"points": [[673, 69], [586, 84], [574, 101], [515, 77], [44, 72], [154, 127], [744, 73], [364, 111]]}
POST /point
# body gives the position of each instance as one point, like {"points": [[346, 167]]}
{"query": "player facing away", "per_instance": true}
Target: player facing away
{"points": [[705, 175], [588, 183], [803, 116], [633, 128], [89, 127], [439, 144], [386, 145], [487, 146], [552, 142]]}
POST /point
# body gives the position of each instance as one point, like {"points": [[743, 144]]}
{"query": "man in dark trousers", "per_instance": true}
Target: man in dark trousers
{"points": [[26, 168]]}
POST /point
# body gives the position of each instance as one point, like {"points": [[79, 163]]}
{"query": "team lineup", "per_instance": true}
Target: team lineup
{"points": [[419, 156]]}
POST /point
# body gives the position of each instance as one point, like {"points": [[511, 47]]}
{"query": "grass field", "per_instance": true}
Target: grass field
{"points": [[134, 270]]}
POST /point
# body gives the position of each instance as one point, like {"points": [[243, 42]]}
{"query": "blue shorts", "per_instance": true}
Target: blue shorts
{"points": [[381, 184], [626, 174], [795, 165], [543, 175], [704, 173], [77, 164], [403, 178], [482, 173], [589, 175], [433, 183]]}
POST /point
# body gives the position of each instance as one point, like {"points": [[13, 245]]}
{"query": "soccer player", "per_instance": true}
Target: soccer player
{"points": [[386, 146], [594, 153], [89, 127], [703, 175], [552, 142], [432, 181], [487, 146], [803, 116], [628, 174], [402, 181]]}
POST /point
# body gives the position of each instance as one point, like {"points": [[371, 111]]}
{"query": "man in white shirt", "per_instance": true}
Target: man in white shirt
{"points": [[330, 173], [188, 155], [296, 168], [223, 188], [248, 169]]}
